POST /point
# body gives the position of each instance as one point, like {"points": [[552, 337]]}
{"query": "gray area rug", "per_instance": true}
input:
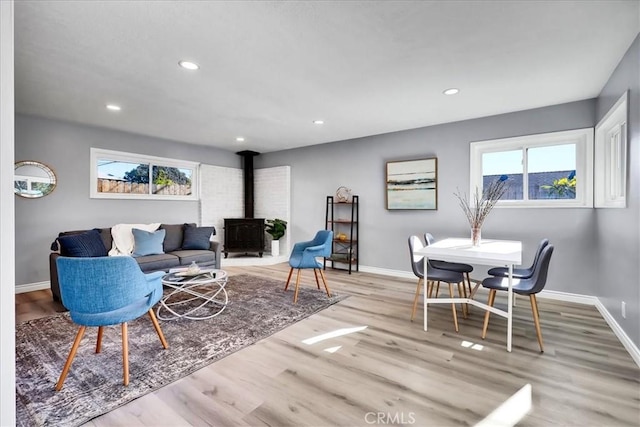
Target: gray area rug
{"points": [[257, 308]]}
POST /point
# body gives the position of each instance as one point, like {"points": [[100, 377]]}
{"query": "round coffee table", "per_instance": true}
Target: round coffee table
{"points": [[194, 296]]}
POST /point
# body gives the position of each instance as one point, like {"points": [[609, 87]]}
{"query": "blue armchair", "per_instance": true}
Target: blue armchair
{"points": [[304, 255], [106, 291]]}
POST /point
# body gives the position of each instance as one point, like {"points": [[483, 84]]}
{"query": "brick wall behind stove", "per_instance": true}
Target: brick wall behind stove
{"points": [[222, 196]]}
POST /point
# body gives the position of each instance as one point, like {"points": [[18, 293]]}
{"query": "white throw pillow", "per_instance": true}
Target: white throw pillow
{"points": [[123, 241]]}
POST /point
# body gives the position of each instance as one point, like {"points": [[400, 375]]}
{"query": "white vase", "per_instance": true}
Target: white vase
{"points": [[275, 247]]}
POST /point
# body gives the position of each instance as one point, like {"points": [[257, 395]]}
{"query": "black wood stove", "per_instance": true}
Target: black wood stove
{"points": [[245, 234]]}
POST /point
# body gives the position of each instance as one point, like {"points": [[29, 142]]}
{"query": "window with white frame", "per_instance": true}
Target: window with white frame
{"points": [[544, 170], [611, 157], [119, 175]]}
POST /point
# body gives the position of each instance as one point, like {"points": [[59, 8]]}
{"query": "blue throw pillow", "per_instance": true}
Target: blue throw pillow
{"points": [[147, 242], [88, 244], [196, 237]]}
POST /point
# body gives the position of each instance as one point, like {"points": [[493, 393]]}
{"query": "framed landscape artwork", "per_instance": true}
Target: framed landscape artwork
{"points": [[412, 184]]}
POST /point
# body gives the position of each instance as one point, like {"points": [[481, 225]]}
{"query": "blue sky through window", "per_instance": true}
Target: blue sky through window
{"points": [[541, 159]]}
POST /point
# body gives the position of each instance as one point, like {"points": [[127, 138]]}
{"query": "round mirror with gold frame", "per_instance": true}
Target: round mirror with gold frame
{"points": [[33, 179]]}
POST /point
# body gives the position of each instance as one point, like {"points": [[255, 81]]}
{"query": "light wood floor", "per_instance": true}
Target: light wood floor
{"points": [[392, 372]]}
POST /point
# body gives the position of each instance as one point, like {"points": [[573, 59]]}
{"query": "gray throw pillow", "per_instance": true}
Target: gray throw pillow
{"points": [[173, 238], [197, 237]]}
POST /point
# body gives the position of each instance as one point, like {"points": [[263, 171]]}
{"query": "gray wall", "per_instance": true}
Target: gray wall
{"points": [[360, 165], [618, 230], [65, 148]]}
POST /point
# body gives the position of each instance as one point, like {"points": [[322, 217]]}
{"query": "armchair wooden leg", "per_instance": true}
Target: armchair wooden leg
{"points": [[99, 340], [288, 278], [324, 280], [156, 325], [453, 307], [315, 273], [72, 354], [536, 320], [415, 299], [125, 354], [492, 298], [295, 294]]}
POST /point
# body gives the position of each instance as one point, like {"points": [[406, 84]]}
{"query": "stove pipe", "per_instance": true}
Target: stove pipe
{"points": [[247, 165]]}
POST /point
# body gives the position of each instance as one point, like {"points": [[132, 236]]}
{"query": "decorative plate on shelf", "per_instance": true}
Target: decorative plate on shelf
{"points": [[343, 194]]}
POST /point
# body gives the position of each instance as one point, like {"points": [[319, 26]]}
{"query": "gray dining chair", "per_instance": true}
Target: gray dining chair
{"points": [[433, 275], [453, 266], [521, 273], [528, 286]]}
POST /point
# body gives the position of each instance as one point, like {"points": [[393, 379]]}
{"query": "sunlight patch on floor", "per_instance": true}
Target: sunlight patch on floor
{"points": [[511, 411]]}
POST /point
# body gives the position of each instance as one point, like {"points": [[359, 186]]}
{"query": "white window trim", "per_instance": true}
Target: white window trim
{"points": [[98, 153], [610, 174], [583, 138]]}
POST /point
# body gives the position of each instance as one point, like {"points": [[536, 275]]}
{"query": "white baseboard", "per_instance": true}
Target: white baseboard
{"points": [[249, 261], [30, 287], [569, 297], [387, 272], [628, 344], [620, 333]]}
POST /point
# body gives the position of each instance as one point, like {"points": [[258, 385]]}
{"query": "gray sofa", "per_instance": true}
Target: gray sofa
{"points": [[174, 255]]}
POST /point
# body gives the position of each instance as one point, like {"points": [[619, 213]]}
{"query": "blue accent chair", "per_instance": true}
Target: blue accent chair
{"points": [[104, 291], [436, 275], [304, 255], [528, 286]]}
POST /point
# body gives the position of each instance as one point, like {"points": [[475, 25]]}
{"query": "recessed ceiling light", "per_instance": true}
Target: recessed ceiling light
{"points": [[189, 65], [318, 122], [240, 139], [113, 107], [451, 91]]}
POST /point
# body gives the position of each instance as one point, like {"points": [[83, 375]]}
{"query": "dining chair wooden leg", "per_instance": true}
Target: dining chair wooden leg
{"points": [[288, 278], [295, 293], [462, 291], [430, 286], [468, 282], [72, 354], [156, 325], [415, 299], [437, 288], [125, 354], [99, 340], [492, 298], [536, 320], [326, 287], [315, 273], [453, 307]]}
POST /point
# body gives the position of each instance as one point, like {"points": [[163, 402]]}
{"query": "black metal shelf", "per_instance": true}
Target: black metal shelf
{"points": [[342, 218]]}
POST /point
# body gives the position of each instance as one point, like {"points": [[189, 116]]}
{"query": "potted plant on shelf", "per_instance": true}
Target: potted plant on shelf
{"points": [[276, 227]]}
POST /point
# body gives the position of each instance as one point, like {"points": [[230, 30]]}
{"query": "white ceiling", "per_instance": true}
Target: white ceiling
{"points": [[268, 69]]}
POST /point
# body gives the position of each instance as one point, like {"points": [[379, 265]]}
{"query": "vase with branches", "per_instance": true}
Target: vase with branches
{"points": [[477, 208]]}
